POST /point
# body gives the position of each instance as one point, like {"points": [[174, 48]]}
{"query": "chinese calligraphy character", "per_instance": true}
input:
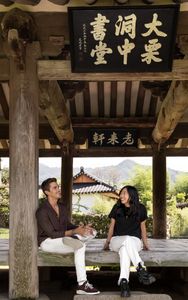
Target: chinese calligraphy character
{"points": [[151, 52], [113, 139], [153, 27], [128, 139], [99, 31], [100, 52], [128, 25], [98, 138], [125, 49]]}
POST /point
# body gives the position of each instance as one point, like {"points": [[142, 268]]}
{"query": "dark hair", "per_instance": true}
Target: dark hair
{"points": [[133, 198], [45, 185]]}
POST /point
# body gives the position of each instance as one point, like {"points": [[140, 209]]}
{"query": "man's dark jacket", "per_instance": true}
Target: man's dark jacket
{"points": [[49, 224]]}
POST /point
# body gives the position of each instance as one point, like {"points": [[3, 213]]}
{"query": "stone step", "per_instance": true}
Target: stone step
{"points": [[116, 296], [41, 297]]}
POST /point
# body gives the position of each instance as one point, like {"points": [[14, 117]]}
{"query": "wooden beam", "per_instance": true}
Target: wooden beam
{"points": [[113, 99], [3, 103], [140, 100], [159, 193], [87, 101], [100, 92], [140, 122], [171, 111], [67, 177], [61, 70], [5, 69], [24, 183], [119, 153], [53, 106], [127, 99]]}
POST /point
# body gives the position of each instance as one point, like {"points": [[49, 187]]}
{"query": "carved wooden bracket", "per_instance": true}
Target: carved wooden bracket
{"points": [[71, 88], [172, 109], [18, 29], [158, 88]]}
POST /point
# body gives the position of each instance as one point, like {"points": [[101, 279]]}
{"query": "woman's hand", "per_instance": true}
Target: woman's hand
{"points": [[106, 246], [145, 247]]}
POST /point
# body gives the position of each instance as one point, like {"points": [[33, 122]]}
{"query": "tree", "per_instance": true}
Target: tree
{"points": [[102, 207], [142, 180], [180, 190]]}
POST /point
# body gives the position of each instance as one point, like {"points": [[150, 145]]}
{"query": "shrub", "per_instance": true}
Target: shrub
{"points": [[99, 222]]}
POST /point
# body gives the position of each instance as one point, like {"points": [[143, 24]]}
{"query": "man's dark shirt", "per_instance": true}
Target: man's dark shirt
{"points": [[50, 225], [127, 223]]}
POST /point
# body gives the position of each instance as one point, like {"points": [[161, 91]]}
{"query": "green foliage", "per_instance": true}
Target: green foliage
{"points": [[175, 219], [4, 199], [102, 206], [4, 233], [181, 188], [100, 222], [142, 180], [5, 176]]}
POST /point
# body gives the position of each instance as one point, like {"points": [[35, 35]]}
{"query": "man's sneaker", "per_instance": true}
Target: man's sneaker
{"points": [[143, 275], [86, 289], [72, 242], [125, 291]]}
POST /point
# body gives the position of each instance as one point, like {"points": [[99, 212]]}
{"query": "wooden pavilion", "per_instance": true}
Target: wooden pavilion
{"points": [[47, 110]]}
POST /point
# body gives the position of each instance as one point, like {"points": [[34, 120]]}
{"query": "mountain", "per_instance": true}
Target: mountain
{"points": [[111, 174], [46, 172]]}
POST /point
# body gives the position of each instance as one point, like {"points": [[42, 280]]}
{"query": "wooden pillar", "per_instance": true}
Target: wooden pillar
{"points": [[159, 193], [67, 176], [23, 273]]}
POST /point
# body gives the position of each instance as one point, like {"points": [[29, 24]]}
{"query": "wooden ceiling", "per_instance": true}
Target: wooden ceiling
{"points": [[83, 101]]}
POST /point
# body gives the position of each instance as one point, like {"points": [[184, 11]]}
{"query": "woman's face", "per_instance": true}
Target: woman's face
{"points": [[124, 197]]}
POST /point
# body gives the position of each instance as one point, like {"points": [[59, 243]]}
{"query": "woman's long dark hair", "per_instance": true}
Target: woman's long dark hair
{"points": [[133, 199]]}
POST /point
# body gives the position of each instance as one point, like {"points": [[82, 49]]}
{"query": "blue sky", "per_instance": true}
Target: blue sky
{"points": [[176, 163]]}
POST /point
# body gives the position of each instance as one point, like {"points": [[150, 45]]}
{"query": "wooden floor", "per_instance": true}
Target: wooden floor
{"points": [[165, 253]]}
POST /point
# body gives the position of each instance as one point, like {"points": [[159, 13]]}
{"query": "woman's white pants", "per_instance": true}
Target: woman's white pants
{"points": [[128, 248], [57, 246]]}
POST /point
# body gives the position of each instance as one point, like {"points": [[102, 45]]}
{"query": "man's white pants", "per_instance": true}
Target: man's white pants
{"points": [[57, 246], [128, 248]]}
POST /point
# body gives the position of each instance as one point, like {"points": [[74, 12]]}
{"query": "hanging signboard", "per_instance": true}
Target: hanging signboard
{"points": [[112, 138], [123, 39]]}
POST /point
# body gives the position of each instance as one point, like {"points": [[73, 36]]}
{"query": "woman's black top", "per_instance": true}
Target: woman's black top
{"points": [[128, 223]]}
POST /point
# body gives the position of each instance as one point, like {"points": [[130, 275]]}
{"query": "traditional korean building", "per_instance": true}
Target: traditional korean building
{"points": [[87, 189]]}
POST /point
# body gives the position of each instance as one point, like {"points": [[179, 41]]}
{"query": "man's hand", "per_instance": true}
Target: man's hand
{"points": [[83, 230]]}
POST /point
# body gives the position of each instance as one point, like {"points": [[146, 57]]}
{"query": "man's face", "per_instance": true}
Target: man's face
{"points": [[54, 191]]}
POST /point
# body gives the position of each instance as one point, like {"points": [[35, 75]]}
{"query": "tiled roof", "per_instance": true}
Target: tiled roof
{"points": [[82, 172], [98, 186], [92, 188]]}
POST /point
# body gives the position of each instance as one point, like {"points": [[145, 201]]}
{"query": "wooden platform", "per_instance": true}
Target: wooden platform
{"points": [[162, 253], [116, 296]]}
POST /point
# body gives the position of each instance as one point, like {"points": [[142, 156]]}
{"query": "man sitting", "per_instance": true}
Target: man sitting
{"points": [[56, 234]]}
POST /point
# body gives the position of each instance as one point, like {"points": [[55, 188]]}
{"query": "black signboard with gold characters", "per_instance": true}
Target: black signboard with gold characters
{"points": [[112, 138], [123, 39]]}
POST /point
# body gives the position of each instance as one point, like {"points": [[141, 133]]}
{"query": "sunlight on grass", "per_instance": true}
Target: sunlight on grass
{"points": [[4, 233]]}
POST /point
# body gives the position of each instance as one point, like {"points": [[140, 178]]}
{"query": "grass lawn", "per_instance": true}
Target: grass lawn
{"points": [[4, 233]]}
